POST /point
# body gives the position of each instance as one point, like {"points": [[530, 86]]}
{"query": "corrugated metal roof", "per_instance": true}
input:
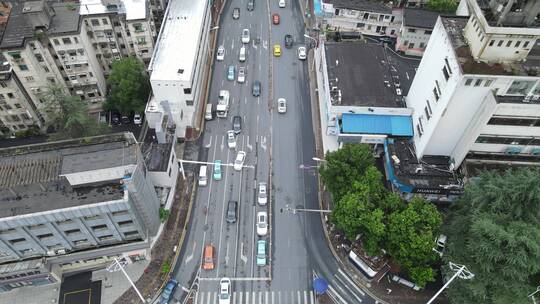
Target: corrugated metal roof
{"points": [[377, 124]]}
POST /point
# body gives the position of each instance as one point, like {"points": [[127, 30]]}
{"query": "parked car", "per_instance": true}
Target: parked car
{"points": [[217, 169], [168, 291], [237, 124], [440, 244], [225, 291], [281, 3], [236, 13], [239, 161], [245, 36], [282, 105], [262, 223], [231, 139], [231, 212], [256, 88], [275, 18], [288, 41], [137, 119], [262, 195], [302, 54], [125, 119], [230, 73], [277, 50], [220, 53], [261, 253], [241, 75], [115, 118]]}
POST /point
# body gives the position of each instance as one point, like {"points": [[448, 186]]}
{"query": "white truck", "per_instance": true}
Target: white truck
{"points": [[223, 104]]}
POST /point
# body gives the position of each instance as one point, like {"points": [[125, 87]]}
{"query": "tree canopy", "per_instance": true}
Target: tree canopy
{"points": [[129, 86], [363, 206], [494, 230], [68, 116]]}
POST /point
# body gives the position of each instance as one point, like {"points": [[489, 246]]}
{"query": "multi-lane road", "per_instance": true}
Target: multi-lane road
{"points": [[278, 147]]}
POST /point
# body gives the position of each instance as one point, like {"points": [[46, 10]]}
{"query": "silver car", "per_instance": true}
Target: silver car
{"points": [[282, 105], [241, 74], [262, 195]]}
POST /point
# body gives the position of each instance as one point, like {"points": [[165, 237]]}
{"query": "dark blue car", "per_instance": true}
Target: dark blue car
{"points": [[168, 291]]}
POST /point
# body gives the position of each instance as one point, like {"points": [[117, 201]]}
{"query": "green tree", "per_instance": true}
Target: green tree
{"points": [[410, 237], [68, 116], [443, 6], [129, 86], [494, 230], [345, 166]]}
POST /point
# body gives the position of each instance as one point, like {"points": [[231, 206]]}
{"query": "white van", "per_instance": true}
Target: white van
{"points": [[208, 112], [242, 56], [203, 178], [281, 3]]}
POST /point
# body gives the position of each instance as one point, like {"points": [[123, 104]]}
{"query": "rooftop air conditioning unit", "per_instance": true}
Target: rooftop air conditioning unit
{"points": [[61, 251], [51, 253]]}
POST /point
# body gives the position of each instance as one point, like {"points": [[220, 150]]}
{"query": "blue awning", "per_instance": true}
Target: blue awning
{"points": [[376, 124]]}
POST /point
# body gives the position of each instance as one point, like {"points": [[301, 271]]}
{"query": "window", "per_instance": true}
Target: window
{"points": [[8, 107], [104, 21], [3, 84], [411, 30], [520, 87], [15, 118], [488, 82], [34, 227], [23, 67], [517, 43], [75, 39], [72, 53], [56, 42], [80, 242], [427, 32], [478, 82], [92, 217], [72, 231], [526, 44], [95, 22], [189, 102], [500, 43], [422, 45], [29, 78], [141, 40], [514, 121], [419, 131], [436, 94], [445, 72], [25, 116], [66, 40], [46, 69], [428, 116], [468, 81], [438, 87], [10, 95], [429, 107], [138, 27], [125, 223], [44, 236], [187, 90], [18, 105], [118, 213], [406, 42], [131, 233], [491, 42], [508, 43], [106, 238], [17, 241], [68, 221], [39, 57], [411, 45], [99, 227]]}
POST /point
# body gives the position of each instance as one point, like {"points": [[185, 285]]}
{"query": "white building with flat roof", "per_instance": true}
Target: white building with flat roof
{"points": [[178, 66], [476, 92]]}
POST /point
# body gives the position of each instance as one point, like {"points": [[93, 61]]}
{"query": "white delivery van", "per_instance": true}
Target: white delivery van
{"points": [[203, 178], [242, 56], [208, 112]]}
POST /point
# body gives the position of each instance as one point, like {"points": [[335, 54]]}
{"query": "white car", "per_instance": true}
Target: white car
{"points": [[281, 105], [262, 223], [225, 291], [220, 53], [262, 195], [245, 36], [302, 54], [137, 119], [239, 161], [241, 74], [440, 244], [231, 139]]}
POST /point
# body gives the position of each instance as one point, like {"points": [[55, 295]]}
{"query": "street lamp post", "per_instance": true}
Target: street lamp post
{"points": [[315, 40], [461, 271], [533, 293], [295, 210], [119, 265]]}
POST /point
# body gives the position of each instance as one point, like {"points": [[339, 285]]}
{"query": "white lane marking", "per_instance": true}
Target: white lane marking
{"points": [[250, 147], [222, 142], [208, 299], [305, 296], [258, 102], [260, 297], [263, 142], [240, 296], [243, 257], [245, 100], [351, 282], [272, 297], [232, 44], [234, 297], [209, 142], [189, 257], [259, 68], [311, 297], [227, 254], [344, 284], [254, 296], [333, 291], [299, 297]]}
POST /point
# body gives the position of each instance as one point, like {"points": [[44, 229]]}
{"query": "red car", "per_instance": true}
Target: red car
{"points": [[275, 18]]}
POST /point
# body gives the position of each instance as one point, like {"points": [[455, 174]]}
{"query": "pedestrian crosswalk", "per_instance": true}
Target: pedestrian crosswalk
{"points": [[260, 297]]}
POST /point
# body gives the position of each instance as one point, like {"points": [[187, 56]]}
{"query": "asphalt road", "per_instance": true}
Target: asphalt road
{"points": [[278, 147]]}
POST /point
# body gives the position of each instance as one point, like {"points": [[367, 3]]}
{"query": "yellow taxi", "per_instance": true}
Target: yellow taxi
{"points": [[277, 50]]}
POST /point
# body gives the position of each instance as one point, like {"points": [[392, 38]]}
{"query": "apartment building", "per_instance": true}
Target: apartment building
{"points": [[476, 92], [363, 16], [67, 44], [180, 66], [416, 28], [75, 205]]}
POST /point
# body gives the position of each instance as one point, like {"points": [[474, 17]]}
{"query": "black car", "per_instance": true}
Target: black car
{"points": [[250, 5], [231, 212], [237, 124], [256, 88], [115, 118], [125, 119], [236, 13], [288, 41]]}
